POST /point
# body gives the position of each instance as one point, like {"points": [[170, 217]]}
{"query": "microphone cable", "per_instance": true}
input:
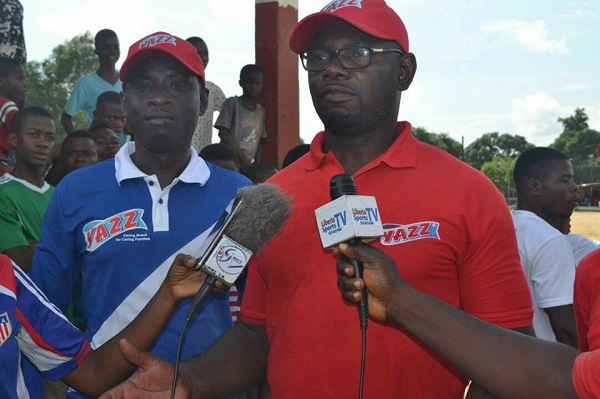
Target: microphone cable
{"points": [[200, 296], [363, 317]]}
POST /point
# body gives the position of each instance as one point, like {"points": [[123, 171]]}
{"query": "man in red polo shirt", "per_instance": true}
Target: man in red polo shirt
{"points": [[445, 224]]}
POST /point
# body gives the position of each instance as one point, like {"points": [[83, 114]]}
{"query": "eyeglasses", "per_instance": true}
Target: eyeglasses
{"points": [[355, 57]]}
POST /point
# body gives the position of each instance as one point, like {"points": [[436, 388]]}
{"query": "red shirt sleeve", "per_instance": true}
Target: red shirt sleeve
{"points": [[586, 375], [586, 302]]}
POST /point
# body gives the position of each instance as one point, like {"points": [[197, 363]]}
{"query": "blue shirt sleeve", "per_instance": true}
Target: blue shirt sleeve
{"points": [[46, 337]]}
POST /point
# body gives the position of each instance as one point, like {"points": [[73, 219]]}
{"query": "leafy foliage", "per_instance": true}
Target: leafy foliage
{"points": [[488, 146], [441, 140], [499, 171], [50, 82], [575, 122]]}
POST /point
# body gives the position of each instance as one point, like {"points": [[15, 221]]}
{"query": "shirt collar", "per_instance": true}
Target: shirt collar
{"points": [[401, 154], [45, 186], [196, 170]]}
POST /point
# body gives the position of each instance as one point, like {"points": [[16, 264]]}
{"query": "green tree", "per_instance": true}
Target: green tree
{"points": [[485, 148], [440, 140], [50, 82], [580, 143], [499, 171], [575, 122]]}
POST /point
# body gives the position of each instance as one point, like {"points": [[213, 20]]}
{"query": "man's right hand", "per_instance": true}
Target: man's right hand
{"points": [[380, 275], [152, 380]]}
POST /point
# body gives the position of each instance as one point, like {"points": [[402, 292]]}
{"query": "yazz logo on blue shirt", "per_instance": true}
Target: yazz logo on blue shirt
{"points": [[98, 232], [394, 234]]}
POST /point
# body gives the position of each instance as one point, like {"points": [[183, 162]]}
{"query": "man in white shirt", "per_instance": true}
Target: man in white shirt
{"points": [[545, 191]]}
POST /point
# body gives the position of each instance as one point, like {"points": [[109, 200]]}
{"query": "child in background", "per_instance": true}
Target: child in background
{"points": [[24, 194], [12, 96], [107, 139], [241, 122], [109, 109], [90, 86]]}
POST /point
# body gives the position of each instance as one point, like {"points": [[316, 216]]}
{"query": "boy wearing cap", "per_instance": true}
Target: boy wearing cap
{"points": [[463, 252], [119, 223]]}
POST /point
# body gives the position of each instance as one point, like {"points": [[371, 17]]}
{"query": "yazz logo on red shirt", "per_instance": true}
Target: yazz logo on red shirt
{"points": [[394, 234], [5, 327], [98, 232]]}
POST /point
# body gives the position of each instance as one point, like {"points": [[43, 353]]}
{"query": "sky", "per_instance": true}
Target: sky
{"points": [[507, 66]]}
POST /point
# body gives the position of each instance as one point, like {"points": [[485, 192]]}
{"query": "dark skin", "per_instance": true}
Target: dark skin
{"points": [[108, 52], [506, 364], [106, 366], [33, 146], [359, 110], [78, 153], [163, 100], [113, 115], [13, 85], [551, 193]]}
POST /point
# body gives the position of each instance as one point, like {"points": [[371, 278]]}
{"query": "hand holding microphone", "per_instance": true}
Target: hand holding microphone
{"points": [[255, 218], [351, 218]]}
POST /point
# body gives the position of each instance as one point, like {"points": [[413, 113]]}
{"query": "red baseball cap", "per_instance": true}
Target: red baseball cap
{"points": [[374, 17], [160, 43]]}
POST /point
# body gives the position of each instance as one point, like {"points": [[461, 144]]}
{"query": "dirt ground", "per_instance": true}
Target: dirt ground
{"points": [[586, 223]]}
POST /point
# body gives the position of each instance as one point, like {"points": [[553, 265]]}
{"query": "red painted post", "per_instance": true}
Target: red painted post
{"points": [[274, 22]]}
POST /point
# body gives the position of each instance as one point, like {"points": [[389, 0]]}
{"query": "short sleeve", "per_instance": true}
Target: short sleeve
{"points": [[553, 274], [226, 114], [46, 337], [587, 302], [492, 284], [586, 375], [76, 101]]}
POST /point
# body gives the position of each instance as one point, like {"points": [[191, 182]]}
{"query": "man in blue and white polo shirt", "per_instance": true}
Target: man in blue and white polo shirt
{"points": [[119, 223]]}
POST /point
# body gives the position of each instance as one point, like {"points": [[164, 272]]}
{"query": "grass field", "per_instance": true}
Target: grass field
{"points": [[586, 223]]}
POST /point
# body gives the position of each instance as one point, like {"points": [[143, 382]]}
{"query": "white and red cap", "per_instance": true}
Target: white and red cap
{"points": [[160, 43], [374, 17]]}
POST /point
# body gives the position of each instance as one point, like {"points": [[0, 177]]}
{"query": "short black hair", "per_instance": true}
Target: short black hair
{"points": [[76, 134], [294, 154], [98, 125], [7, 65], [103, 35], [250, 68], [219, 152], [259, 172], [195, 39], [533, 162], [108, 97], [22, 115]]}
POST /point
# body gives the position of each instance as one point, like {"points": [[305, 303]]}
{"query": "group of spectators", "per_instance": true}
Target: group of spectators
{"points": [[445, 283]]}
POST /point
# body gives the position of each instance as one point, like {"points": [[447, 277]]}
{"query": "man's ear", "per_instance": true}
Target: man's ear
{"points": [[534, 186], [408, 68], [203, 100], [12, 138]]}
